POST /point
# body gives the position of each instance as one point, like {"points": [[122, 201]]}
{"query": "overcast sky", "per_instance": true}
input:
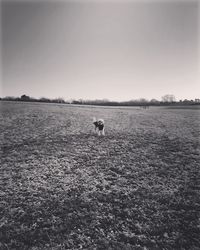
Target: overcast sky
{"points": [[119, 50]]}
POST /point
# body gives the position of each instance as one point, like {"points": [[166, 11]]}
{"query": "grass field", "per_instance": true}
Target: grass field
{"points": [[63, 187]]}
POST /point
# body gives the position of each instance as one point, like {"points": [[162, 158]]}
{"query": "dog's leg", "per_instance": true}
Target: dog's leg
{"points": [[103, 131], [96, 130]]}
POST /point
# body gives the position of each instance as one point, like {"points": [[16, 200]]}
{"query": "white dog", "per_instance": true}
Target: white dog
{"points": [[99, 126]]}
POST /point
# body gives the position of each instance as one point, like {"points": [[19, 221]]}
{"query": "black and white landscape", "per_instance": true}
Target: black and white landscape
{"points": [[134, 64]]}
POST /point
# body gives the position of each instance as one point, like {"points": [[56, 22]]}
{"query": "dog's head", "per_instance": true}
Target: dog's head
{"points": [[98, 122]]}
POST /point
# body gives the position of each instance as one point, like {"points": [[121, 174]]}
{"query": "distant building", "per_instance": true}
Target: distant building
{"points": [[197, 100]]}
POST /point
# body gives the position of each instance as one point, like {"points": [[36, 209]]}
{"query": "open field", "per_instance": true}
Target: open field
{"points": [[63, 187]]}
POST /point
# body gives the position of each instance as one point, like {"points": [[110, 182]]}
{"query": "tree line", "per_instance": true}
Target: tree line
{"points": [[165, 100]]}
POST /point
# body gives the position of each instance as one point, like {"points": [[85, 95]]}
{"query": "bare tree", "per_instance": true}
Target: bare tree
{"points": [[168, 98], [154, 101]]}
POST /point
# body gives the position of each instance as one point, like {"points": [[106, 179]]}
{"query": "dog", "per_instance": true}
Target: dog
{"points": [[99, 126]]}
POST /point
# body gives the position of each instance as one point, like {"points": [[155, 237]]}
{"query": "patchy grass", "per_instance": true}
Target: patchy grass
{"points": [[62, 187]]}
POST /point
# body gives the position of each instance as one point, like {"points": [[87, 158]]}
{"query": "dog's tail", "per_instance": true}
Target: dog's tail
{"points": [[94, 119]]}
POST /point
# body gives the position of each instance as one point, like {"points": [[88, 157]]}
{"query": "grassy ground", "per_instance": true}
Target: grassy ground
{"points": [[63, 187]]}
